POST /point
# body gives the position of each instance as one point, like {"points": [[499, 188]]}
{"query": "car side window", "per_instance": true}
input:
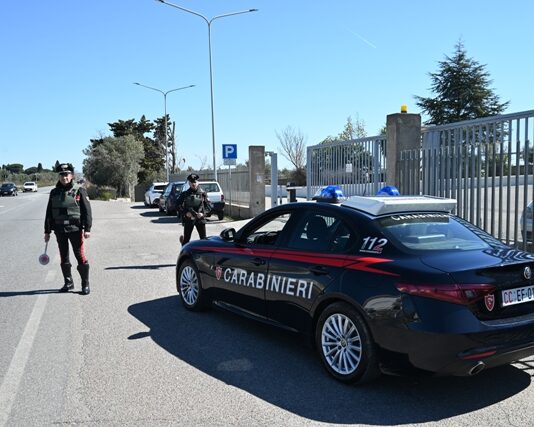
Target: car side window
{"points": [[343, 238], [269, 232], [312, 232]]}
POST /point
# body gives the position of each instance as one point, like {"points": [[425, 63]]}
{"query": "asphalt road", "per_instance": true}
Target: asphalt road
{"points": [[130, 355]]}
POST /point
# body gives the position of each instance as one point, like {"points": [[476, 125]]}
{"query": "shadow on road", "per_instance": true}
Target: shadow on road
{"points": [[274, 366], [140, 267], [35, 292], [166, 220]]}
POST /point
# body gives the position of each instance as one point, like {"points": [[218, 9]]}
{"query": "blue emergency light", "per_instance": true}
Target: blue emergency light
{"points": [[329, 194], [388, 190]]}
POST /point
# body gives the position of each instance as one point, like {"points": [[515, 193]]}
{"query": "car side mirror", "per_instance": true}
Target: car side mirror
{"points": [[228, 234]]}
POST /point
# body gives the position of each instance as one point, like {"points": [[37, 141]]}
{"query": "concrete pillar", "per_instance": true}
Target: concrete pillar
{"points": [[256, 167], [403, 133]]}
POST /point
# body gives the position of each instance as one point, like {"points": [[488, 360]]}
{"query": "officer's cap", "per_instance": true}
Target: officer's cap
{"points": [[192, 177], [65, 167]]}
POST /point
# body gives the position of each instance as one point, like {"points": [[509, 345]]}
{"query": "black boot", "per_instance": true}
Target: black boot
{"points": [[83, 269], [67, 276]]}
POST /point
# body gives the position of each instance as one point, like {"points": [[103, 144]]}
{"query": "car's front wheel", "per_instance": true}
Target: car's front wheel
{"points": [[189, 286], [345, 345]]}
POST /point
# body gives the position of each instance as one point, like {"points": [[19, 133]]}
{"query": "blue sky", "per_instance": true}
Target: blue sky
{"points": [[68, 68]]}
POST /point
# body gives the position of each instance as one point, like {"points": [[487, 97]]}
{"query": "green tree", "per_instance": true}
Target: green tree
{"points": [[462, 91], [31, 170], [114, 162], [152, 164], [15, 168], [351, 130]]}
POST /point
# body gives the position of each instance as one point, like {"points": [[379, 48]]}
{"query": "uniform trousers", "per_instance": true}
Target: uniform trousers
{"points": [[188, 229], [76, 240]]}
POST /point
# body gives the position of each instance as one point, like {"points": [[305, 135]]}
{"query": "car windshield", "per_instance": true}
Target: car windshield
{"points": [[434, 232], [7, 185], [29, 183], [159, 188]]}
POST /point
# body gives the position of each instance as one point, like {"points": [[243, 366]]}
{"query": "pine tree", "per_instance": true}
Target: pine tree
{"points": [[462, 91]]}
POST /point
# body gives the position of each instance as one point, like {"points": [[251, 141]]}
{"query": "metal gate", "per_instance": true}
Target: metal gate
{"points": [[357, 166], [487, 165]]}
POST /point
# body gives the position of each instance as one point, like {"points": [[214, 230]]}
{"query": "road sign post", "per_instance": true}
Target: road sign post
{"points": [[229, 158]]}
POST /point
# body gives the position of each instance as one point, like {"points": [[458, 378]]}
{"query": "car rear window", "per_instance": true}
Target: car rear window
{"points": [[210, 188], [434, 232]]}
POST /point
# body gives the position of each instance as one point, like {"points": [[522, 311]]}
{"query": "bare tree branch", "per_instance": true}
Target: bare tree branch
{"points": [[293, 146]]}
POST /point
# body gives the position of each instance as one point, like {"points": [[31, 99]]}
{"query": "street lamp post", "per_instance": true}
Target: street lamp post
{"points": [[165, 109], [209, 22]]}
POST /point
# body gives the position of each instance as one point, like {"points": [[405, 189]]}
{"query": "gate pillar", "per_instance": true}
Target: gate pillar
{"points": [[403, 133]]}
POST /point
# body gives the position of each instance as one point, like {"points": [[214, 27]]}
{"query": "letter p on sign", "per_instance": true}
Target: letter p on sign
{"points": [[229, 151]]}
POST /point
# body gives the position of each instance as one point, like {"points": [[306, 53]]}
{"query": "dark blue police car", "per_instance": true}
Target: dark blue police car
{"points": [[376, 283]]}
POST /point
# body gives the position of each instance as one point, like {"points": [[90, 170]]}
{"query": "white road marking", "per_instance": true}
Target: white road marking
{"points": [[11, 382]]}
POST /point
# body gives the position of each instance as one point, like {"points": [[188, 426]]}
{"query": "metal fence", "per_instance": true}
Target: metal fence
{"points": [[485, 164], [234, 183], [357, 166], [236, 186]]}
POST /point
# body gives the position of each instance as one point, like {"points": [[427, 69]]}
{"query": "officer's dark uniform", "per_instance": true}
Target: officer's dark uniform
{"points": [[196, 203], [68, 214]]}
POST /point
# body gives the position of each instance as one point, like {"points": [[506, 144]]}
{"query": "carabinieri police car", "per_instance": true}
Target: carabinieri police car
{"points": [[376, 283]]}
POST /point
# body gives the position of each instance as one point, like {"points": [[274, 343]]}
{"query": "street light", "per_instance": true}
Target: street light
{"points": [[165, 107], [209, 21]]}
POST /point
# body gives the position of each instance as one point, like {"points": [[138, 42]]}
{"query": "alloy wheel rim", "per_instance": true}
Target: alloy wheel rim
{"points": [[189, 285], [341, 344]]}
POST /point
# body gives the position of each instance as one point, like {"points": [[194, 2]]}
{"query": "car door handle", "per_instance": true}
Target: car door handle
{"points": [[319, 270], [258, 261]]}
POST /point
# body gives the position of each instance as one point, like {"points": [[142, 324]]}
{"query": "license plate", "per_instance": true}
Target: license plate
{"points": [[517, 296]]}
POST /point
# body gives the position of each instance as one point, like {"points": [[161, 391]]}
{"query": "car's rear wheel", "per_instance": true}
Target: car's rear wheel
{"points": [[190, 287], [345, 345]]}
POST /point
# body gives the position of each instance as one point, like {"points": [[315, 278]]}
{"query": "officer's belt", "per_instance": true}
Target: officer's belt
{"points": [[67, 221]]}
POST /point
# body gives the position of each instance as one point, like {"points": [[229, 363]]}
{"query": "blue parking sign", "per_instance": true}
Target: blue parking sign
{"points": [[229, 151]]}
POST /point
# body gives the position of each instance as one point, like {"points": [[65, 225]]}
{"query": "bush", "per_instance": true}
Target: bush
{"points": [[100, 193], [107, 195]]}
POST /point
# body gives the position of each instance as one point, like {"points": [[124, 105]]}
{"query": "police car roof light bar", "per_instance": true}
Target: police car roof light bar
{"points": [[380, 205]]}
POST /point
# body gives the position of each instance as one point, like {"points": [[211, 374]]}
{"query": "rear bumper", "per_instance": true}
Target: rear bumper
{"points": [[457, 343], [218, 206]]}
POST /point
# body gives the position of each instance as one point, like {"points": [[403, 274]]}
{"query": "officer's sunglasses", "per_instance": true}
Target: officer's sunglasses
{"points": [[64, 173]]}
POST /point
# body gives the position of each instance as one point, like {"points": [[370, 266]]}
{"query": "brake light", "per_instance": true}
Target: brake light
{"points": [[222, 197], [457, 293]]}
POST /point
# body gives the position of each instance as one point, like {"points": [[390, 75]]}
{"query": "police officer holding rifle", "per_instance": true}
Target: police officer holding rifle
{"points": [[193, 205]]}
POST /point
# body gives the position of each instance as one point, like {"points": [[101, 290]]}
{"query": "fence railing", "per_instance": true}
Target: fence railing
{"points": [[357, 166], [485, 164]]}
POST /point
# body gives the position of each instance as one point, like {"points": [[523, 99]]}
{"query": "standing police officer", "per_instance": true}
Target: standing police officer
{"points": [[68, 214], [193, 205]]}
